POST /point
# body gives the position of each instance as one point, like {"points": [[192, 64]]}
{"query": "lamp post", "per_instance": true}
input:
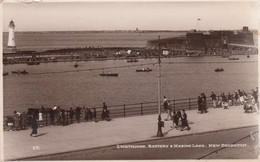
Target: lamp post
{"points": [[160, 123]]}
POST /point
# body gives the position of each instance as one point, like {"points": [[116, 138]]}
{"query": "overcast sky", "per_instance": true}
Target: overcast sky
{"points": [[129, 16]]}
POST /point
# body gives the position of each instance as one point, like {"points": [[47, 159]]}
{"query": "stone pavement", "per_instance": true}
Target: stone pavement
{"points": [[87, 135]]}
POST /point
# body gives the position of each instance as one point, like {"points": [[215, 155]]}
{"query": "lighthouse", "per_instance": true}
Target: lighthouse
{"points": [[11, 40]]}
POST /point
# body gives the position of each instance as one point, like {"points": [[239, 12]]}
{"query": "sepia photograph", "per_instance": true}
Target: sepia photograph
{"points": [[129, 80]]}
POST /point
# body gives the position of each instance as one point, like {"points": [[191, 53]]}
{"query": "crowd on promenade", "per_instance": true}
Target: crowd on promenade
{"points": [[250, 104], [57, 116]]}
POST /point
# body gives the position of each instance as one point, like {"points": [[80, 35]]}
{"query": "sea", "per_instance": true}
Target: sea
{"points": [[40, 41], [51, 84]]}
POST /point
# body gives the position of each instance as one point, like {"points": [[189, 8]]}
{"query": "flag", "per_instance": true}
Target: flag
{"points": [[198, 19]]}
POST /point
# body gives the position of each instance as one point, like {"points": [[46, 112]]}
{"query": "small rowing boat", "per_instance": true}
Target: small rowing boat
{"points": [[219, 69], [76, 65], [5, 73], [20, 72], [109, 74], [144, 70], [233, 58]]}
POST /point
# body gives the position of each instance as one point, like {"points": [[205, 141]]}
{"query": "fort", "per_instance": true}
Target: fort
{"points": [[203, 42]]}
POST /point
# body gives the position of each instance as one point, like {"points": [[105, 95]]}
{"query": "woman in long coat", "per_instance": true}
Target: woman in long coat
{"points": [[34, 125]]}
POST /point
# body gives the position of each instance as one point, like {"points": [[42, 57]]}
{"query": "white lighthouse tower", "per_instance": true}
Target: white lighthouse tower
{"points": [[11, 40]]}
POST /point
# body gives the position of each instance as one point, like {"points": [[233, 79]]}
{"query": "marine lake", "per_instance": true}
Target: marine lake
{"points": [[183, 77]]}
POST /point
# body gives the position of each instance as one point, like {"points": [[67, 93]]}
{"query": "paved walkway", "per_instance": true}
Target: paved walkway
{"points": [[55, 139]]}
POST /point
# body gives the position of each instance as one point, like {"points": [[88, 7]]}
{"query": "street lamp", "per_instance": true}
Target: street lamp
{"points": [[160, 122]]}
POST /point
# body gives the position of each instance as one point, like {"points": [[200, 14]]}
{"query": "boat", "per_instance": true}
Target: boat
{"points": [[226, 56], [20, 72], [132, 60], [109, 74], [144, 70], [219, 69], [5, 73], [233, 58], [33, 63], [76, 65]]}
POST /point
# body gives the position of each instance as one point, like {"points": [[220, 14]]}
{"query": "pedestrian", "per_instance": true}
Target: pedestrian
{"points": [[169, 110], [213, 97], [241, 97], [16, 121], [254, 94], [184, 121], [230, 99], [34, 125], [165, 103], [203, 103], [58, 116], [236, 97], [223, 99], [54, 113], [175, 120], [105, 112], [54, 107], [52, 116], [71, 112], [178, 118], [90, 114], [199, 105], [77, 113], [63, 117]]}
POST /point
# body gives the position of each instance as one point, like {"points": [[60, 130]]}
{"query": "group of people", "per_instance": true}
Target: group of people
{"points": [[19, 120], [56, 116], [179, 119], [202, 103], [239, 97]]}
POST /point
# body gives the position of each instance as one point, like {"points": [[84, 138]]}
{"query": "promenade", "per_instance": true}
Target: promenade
{"points": [[87, 135]]}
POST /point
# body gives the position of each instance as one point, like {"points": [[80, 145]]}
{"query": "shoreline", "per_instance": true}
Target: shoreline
{"points": [[68, 58]]}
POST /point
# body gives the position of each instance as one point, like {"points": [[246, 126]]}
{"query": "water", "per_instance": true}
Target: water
{"points": [[179, 80], [40, 41], [52, 40]]}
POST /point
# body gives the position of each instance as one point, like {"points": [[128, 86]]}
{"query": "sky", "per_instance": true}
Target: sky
{"points": [[78, 16]]}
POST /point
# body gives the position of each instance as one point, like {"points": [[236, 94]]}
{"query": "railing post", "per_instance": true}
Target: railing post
{"points": [[67, 117], [46, 117], [189, 104], [141, 109], [124, 110], [173, 105]]}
